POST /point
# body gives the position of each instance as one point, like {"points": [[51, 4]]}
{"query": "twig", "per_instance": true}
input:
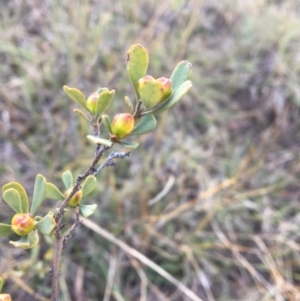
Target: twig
{"points": [[61, 240], [133, 252], [109, 161]]}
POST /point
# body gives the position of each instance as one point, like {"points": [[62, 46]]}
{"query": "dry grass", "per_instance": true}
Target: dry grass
{"points": [[226, 158]]}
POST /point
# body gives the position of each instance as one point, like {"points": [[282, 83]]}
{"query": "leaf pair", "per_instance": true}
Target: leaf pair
{"points": [[96, 103], [152, 94], [16, 197]]}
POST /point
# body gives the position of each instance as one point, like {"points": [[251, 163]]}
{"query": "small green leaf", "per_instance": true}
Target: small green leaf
{"points": [[47, 224], [76, 95], [146, 124], [27, 242], [129, 144], [13, 200], [137, 64], [181, 73], [5, 230], [67, 178], [87, 210], [22, 192], [53, 193], [129, 104], [81, 114], [106, 122], [173, 99], [89, 185], [101, 141], [39, 193], [103, 101]]}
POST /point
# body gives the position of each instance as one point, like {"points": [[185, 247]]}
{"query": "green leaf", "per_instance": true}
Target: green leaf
{"points": [[181, 73], [146, 124], [103, 101], [76, 95], [87, 210], [101, 141], [173, 99], [67, 178], [47, 224], [53, 193], [5, 230], [89, 185], [27, 242], [13, 200], [22, 192], [129, 105], [39, 193], [106, 122], [81, 114], [129, 144], [137, 64]]}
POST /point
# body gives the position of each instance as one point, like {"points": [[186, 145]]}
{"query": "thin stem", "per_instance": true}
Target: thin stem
{"points": [[60, 239], [109, 161], [56, 268]]}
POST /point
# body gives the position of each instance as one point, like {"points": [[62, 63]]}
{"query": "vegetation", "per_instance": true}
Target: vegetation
{"points": [[210, 196]]}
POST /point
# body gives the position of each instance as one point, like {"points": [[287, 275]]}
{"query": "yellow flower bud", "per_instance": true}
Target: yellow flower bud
{"points": [[91, 102], [153, 91], [75, 199], [121, 126], [5, 297], [166, 87], [22, 224]]}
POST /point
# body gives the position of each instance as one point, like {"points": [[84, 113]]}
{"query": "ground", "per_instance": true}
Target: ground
{"points": [[227, 156]]}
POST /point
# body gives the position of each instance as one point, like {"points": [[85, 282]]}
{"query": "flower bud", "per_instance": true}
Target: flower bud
{"points": [[91, 102], [75, 199], [22, 223], [122, 125], [5, 297], [166, 87], [153, 91]]}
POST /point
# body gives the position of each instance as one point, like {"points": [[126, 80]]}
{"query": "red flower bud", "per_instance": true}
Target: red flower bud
{"points": [[122, 125], [75, 199], [22, 223], [5, 297]]}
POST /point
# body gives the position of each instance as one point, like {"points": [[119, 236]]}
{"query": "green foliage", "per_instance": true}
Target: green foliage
{"points": [[5, 229], [52, 192], [67, 178], [46, 224], [181, 73], [88, 186], [22, 193], [103, 101], [87, 210], [146, 124], [39, 193], [27, 242], [137, 65], [151, 94], [77, 96], [13, 200]]}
